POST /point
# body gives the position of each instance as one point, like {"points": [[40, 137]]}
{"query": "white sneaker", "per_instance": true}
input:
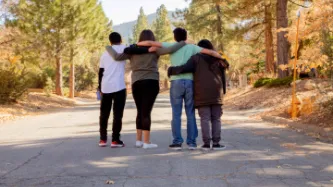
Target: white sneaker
{"points": [[149, 146], [138, 144]]}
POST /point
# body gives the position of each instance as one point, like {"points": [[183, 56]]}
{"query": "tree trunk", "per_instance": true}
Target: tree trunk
{"points": [[269, 40], [59, 76], [282, 42], [219, 26], [72, 76]]}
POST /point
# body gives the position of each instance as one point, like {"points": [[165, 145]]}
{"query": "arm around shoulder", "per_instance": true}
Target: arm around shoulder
{"points": [[115, 55], [211, 53], [189, 67], [171, 49]]}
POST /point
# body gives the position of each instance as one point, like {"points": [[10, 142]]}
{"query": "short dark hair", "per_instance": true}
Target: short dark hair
{"points": [[147, 35], [206, 44], [180, 34], [115, 38]]}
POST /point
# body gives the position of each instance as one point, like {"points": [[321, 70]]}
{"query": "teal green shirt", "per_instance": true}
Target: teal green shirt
{"points": [[181, 57]]}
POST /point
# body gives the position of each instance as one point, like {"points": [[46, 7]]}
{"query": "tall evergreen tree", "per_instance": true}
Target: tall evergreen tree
{"points": [[162, 26], [56, 26], [141, 24], [258, 16], [209, 19], [88, 22], [163, 33], [45, 24]]}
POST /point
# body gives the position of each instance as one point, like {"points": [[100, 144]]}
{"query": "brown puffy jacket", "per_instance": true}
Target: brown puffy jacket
{"points": [[209, 78]]}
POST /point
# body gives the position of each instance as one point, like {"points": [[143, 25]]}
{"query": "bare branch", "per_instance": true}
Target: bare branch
{"points": [[6, 42], [298, 4]]}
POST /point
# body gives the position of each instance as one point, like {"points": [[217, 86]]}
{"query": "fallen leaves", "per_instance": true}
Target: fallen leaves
{"points": [[110, 182]]}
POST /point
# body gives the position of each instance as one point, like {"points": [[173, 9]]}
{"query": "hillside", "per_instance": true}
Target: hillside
{"points": [[125, 29]]}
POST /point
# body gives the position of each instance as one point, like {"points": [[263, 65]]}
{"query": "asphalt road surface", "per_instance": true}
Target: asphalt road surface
{"points": [[60, 149]]}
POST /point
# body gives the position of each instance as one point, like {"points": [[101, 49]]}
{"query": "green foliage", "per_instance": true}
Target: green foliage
{"points": [[49, 86], [262, 82], [141, 24], [269, 82], [258, 67], [13, 84], [163, 33], [37, 79], [281, 82], [85, 78], [162, 26], [56, 32]]}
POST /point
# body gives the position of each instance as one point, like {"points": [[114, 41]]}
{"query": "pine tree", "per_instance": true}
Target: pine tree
{"points": [[141, 24], [88, 21], [283, 46], [209, 19], [259, 15], [163, 33], [55, 27], [45, 23], [162, 26]]}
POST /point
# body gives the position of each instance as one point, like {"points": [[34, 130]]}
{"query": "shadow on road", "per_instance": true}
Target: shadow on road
{"points": [[254, 157]]}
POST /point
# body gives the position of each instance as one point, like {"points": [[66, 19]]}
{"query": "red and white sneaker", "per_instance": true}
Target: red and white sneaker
{"points": [[117, 144], [102, 143]]}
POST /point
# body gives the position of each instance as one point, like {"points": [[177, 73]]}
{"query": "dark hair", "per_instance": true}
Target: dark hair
{"points": [[115, 38], [206, 44], [147, 35], [180, 34]]}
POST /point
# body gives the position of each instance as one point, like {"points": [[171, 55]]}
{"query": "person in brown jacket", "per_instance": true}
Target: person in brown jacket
{"points": [[209, 88]]}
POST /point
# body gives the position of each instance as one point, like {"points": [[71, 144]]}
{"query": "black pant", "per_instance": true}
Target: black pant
{"points": [[119, 100], [144, 94]]}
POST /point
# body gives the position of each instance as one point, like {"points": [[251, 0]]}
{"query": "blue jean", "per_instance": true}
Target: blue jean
{"points": [[182, 90]]}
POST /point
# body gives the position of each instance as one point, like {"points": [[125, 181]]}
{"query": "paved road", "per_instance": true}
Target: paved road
{"points": [[60, 149]]}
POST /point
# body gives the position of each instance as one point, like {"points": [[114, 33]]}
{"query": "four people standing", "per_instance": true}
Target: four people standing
{"points": [[145, 83]]}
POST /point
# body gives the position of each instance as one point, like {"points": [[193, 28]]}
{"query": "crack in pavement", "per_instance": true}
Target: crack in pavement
{"points": [[40, 153], [24, 163]]}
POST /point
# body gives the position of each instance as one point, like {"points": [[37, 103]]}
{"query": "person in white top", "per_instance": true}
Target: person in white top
{"points": [[111, 84]]}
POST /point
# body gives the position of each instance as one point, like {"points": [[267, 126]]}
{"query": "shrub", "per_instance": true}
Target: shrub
{"points": [[262, 82], [85, 78], [37, 80], [273, 82], [49, 86], [280, 82], [13, 84]]}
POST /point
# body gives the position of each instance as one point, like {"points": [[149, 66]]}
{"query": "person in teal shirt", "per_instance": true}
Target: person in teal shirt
{"points": [[182, 89]]}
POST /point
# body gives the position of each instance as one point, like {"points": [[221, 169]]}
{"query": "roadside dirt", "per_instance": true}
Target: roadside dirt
{"points": [[34, 104], [276, 101]]}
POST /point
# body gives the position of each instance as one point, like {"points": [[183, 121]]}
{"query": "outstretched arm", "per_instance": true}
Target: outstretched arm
{"points": [[136, 50], [171, 49], [115, 55], [211, 53], [150, 43], [189, 67]]}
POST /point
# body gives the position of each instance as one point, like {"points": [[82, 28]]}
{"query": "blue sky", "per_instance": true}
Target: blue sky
{"points": [[120, 11]]}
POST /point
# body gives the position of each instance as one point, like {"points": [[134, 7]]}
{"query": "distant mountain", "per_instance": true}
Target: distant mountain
{"points": [[126, 29]]}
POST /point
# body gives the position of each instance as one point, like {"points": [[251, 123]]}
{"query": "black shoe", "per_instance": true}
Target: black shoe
{"points": [[218, 147], [117, 144], [175, 146], [205, 147]]}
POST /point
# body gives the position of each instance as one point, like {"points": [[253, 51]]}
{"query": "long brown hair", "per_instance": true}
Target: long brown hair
{"points": [[147, 35]]}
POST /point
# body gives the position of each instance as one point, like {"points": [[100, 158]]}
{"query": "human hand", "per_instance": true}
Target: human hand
{"points": [[152, 49], [189, 41]]}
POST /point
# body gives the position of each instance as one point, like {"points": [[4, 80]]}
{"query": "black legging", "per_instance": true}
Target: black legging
{"points": [[144, 94]]}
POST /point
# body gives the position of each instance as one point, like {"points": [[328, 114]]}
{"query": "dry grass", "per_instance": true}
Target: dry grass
{"points": [[278, 100], [33, 104]]}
